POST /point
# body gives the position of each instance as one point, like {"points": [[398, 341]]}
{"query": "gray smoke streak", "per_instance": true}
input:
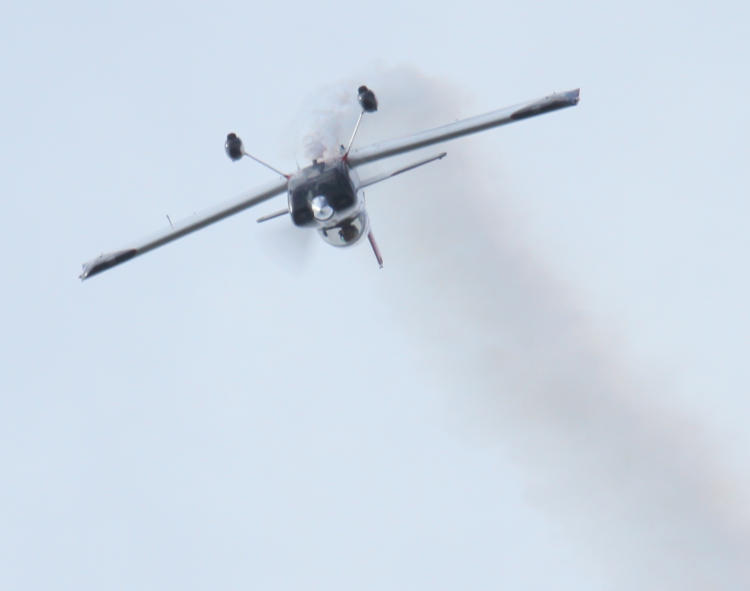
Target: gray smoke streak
{"points": [[528, 373], [326, 123]]}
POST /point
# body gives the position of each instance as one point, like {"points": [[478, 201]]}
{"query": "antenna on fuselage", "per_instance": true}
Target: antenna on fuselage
{"points": [[369, 104], [236, 150]]}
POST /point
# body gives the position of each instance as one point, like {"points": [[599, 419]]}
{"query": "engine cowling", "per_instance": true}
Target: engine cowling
{"points": [[318, 192]]}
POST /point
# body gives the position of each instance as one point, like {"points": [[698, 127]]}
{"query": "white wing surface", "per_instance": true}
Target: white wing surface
{"points": [[198, 221], [388, 148]]}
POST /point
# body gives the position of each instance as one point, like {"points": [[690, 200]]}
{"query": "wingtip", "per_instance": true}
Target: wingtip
{"points": [[106, 261]]}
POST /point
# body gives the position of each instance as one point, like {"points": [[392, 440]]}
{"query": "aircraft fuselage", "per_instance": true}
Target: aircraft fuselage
{"points": [[325, 196]]}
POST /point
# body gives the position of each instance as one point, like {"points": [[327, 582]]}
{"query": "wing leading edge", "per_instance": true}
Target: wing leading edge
{"points": [[198, 221], [559, 100]]}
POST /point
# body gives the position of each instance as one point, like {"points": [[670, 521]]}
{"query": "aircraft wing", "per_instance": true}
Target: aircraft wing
{"points": [[518, 112], [196, 222]]}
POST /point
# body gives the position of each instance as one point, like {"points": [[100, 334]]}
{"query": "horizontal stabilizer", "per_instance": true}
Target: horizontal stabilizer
{"points": [[271, 216], [387, 175]]}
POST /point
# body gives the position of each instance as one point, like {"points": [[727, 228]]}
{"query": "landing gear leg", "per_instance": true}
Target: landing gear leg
{"points": [[375, 249]]}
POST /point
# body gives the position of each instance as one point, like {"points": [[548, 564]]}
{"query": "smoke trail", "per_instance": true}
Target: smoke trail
{"points": [[528, 372], [326, 122]]}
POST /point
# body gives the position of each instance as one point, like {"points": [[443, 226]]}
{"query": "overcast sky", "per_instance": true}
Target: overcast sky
{"points": [[545, 387]]}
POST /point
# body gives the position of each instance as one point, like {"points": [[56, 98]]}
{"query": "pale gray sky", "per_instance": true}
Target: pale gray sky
{"points": [[545, 388]]}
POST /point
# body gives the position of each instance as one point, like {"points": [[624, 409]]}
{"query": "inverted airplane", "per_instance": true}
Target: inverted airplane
{"points": [[327, 195]]}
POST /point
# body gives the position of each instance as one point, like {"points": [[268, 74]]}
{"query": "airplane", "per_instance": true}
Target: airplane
{"points": [[327, 194]]}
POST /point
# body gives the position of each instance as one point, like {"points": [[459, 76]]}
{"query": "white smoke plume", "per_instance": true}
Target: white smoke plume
{"points": [[527, 370], [327, 123]]}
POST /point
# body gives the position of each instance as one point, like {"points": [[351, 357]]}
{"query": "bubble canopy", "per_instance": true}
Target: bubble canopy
{"points": [[347, 232]]}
